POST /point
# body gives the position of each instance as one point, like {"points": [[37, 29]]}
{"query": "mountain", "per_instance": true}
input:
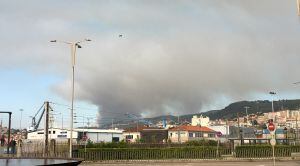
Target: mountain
{"points": [[230, 112]]}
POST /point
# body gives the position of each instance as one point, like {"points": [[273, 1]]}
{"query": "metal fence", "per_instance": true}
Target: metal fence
{"points": [[186, 153], [151, 154]]}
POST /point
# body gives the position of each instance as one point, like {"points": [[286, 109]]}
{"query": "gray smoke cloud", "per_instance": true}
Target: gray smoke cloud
{"points": [[173, 57]]}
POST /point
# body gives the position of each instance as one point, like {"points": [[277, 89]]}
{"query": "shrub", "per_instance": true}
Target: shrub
{"points": [[202, 142], [262, 151]]}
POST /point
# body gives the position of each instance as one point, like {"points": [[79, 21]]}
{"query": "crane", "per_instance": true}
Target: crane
{"points": [[34, 125]]}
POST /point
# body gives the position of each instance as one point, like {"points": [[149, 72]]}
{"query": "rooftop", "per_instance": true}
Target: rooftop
{"points": [[192, 128]]}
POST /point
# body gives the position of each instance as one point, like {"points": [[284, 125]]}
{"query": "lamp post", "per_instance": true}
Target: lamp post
{"points": [[246, 108], [272, 94], [21, 110], [73, 46]]}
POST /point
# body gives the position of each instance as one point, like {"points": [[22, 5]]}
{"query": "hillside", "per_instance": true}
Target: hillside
{"points": [[230, 112]]}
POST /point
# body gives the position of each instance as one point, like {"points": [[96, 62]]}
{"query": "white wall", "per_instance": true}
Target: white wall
{"points": [[104, 137], [135, 136], [200, 121], [53, 134]]}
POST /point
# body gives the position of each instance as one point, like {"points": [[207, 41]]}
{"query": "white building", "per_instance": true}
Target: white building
{"points": [[95, 135], [200, 121], [190, 133], [100, 135], [132, 136], [54, 133], [224, 129]]}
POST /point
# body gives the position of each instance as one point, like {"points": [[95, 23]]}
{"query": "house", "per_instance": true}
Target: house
{"points": [[150, 135], [134, 134], [188, 133]]}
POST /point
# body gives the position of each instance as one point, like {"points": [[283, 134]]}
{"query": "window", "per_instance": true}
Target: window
{"points": [[211, 135], [40, 133], [199, 134], [129, 136], [191, 134], [171, 134], [54, 132], [49, 132]]}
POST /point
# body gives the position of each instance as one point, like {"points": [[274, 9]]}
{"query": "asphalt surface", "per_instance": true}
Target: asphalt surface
{"points": [[198, 163]]}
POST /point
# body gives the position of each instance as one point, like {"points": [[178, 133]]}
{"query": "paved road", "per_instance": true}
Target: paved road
{"points": [[199, 163]]}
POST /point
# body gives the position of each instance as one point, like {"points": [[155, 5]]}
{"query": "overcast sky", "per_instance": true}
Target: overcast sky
{"points": [[173, 57]]}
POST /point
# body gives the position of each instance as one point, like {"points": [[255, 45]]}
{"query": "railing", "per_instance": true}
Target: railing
{"points": [[184, 153], [151, 154]]}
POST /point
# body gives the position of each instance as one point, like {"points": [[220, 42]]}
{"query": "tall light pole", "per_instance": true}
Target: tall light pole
{"points": [[298, 7], [21, 110], [272, 94], [246, 107], [73, 46]]}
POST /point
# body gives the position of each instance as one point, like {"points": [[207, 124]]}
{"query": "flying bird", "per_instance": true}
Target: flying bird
{"points": [[120, 35]]}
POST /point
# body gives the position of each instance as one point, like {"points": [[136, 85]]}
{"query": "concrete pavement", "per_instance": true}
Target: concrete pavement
{"points": [[197, 163]]}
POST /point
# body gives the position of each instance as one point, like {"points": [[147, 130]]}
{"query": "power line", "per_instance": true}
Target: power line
{"points": [[83, 108]]}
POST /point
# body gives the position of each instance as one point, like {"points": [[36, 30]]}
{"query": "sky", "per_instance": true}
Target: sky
{"points": [[173, 56]]}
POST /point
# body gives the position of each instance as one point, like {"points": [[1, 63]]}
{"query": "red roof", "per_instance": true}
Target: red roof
{"points": [[192, 128], [139, 129]]}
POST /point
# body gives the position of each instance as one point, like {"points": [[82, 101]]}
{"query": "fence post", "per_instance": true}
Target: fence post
{"points": [[52, 147], [19, 149]]}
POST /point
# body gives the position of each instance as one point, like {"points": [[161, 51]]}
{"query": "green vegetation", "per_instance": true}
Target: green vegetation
{"points": [[152, 153], [256, 107], [202, 142], [121, 144], [262, 151], [190, 150], [230, 112]]}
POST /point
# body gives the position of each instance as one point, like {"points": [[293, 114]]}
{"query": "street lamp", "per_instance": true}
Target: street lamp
{"points": [[272, 94], [21, 110], [246, 107], [73, 46]]}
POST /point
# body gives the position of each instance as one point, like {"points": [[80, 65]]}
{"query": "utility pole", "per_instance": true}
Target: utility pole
{"points": [[1, 129], [21, 110], [246, 107], [227, 129], [62, 121], [272, 94], [9, 129], [178, 132], [240, 131], [297, 136], [46, 130], [298, 7]]}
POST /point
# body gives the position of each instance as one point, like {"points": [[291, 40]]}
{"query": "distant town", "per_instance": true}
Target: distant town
{"points": [[243, 129]]}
